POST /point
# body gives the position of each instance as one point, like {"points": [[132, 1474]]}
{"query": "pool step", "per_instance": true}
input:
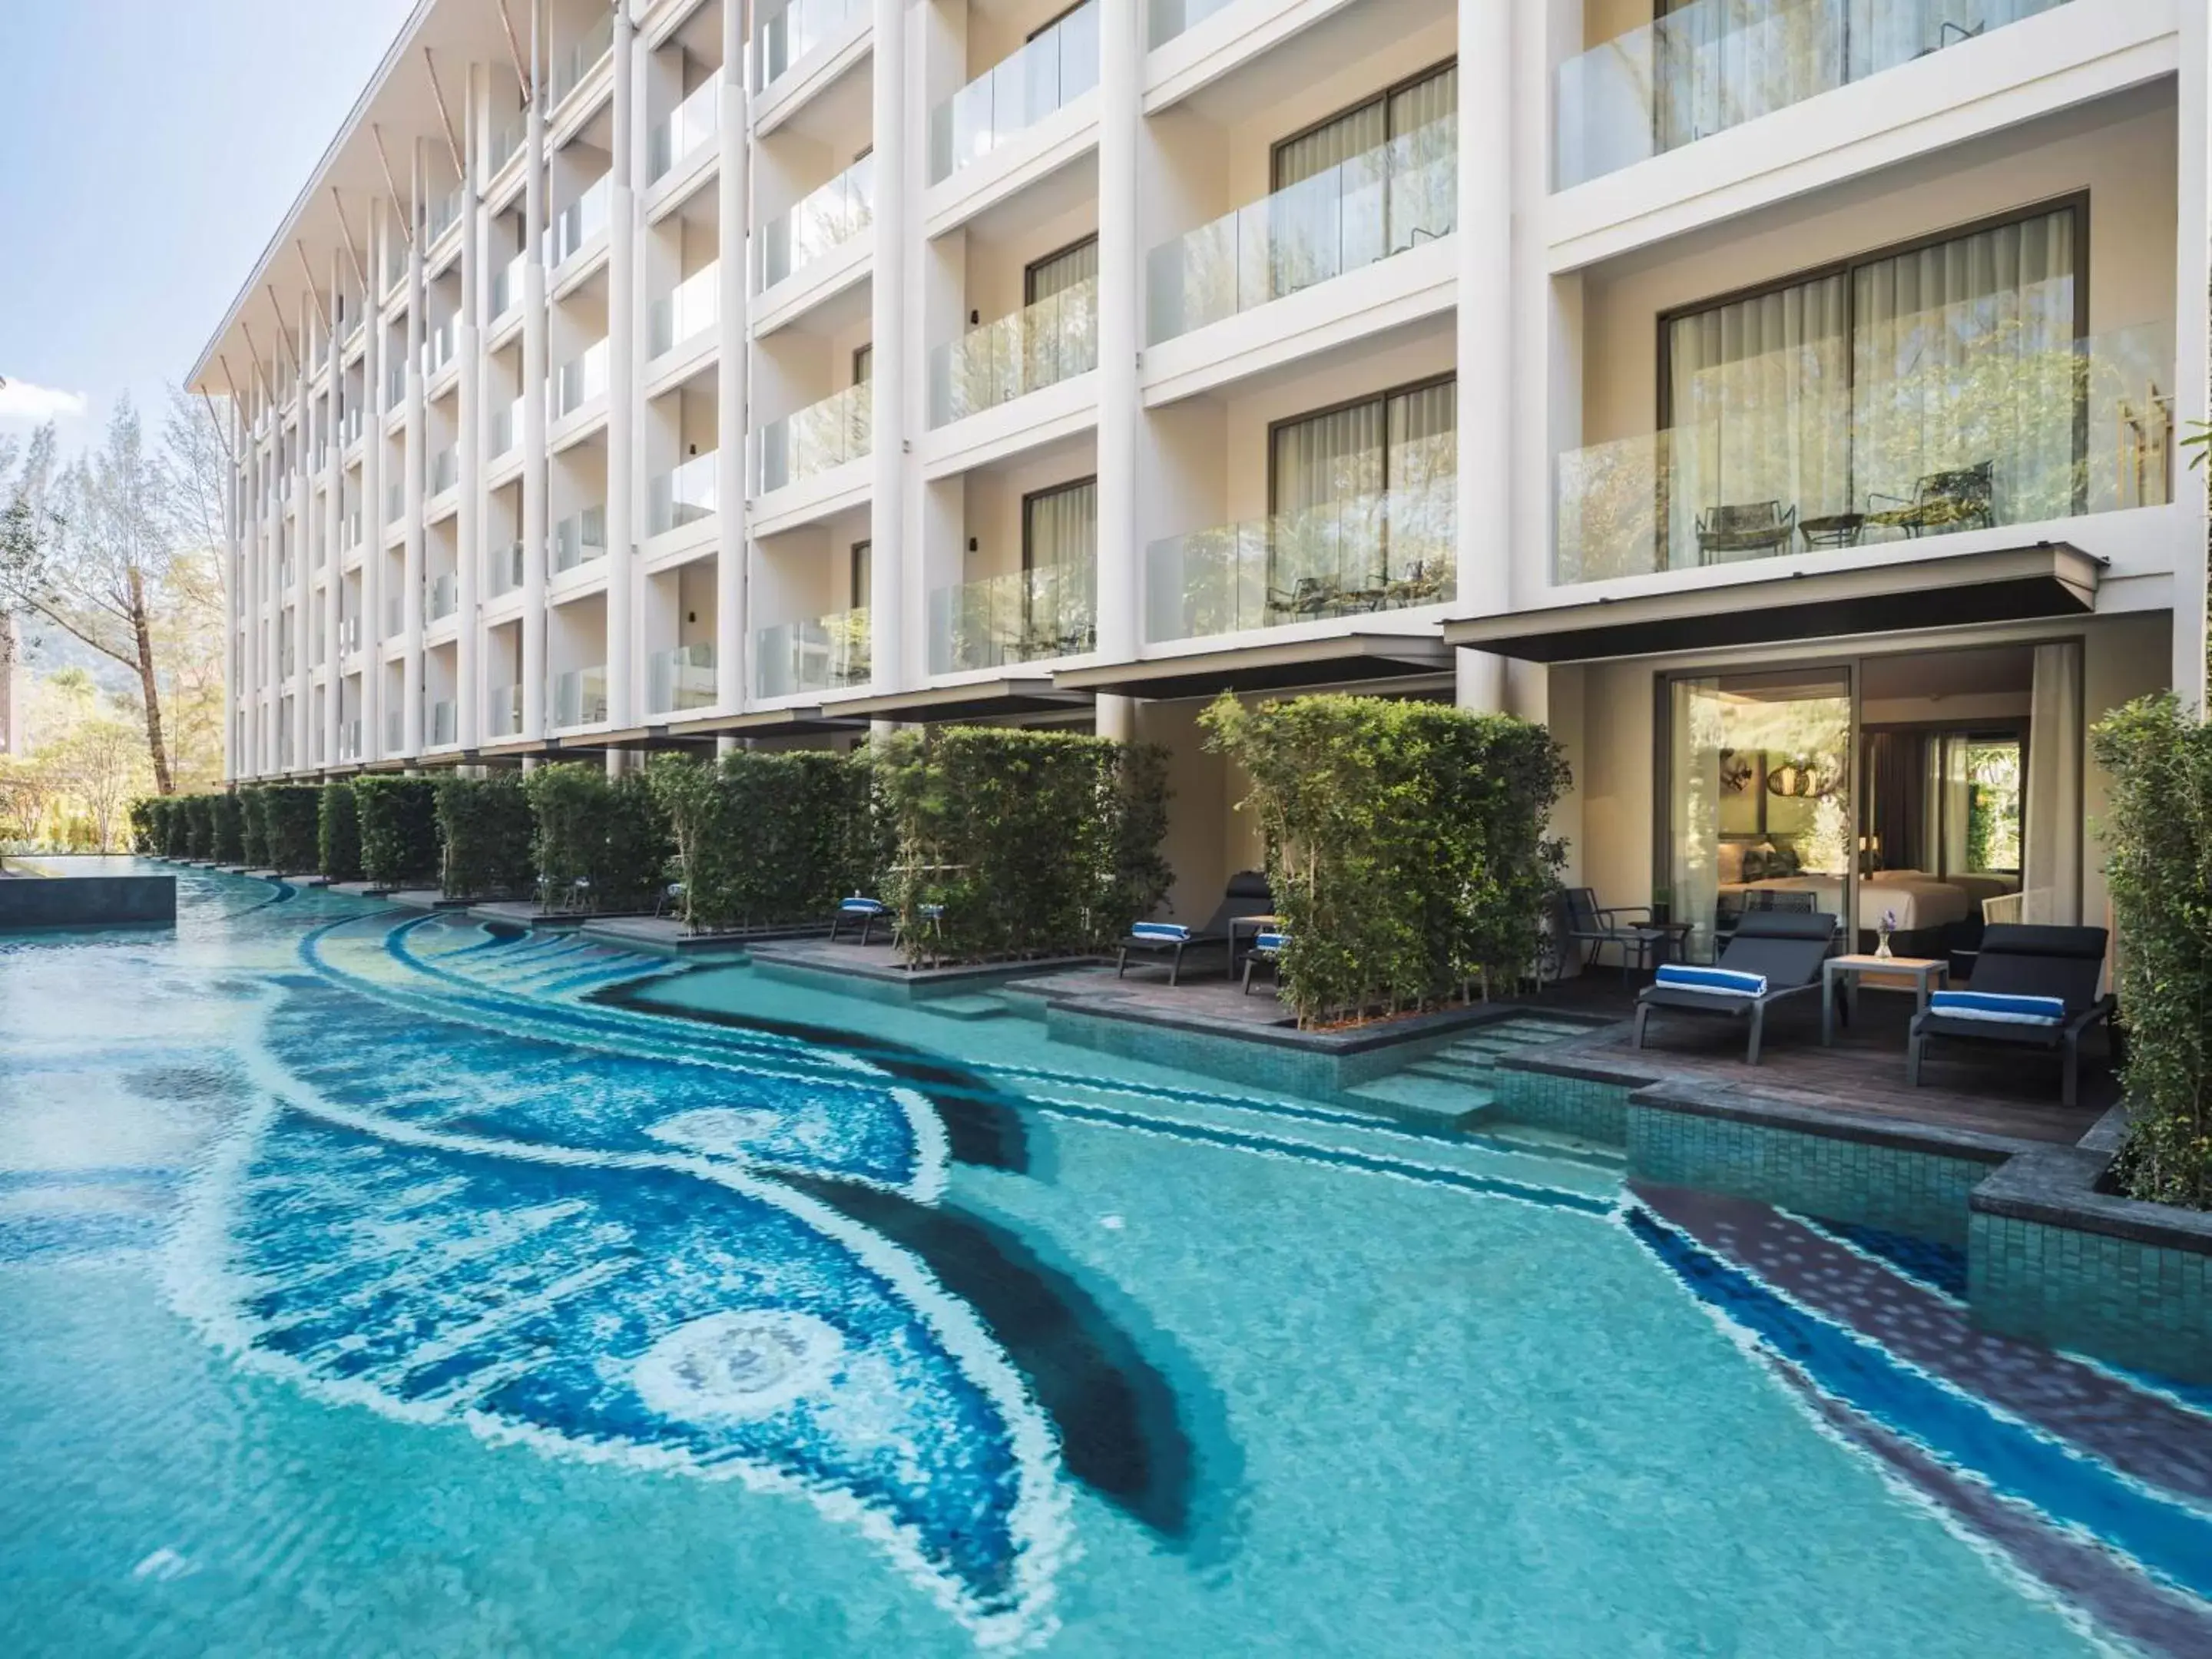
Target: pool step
{"points": [[1415, 1096], [976, 1006]]}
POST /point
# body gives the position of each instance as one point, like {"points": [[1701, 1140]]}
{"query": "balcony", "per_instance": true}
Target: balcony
{"points": [[688, 310], [395, 501], [1368, 207], [349, 634], [503, 712], [445, 470], [1714, 64], [350, 425], [577, 224], [506, 429], [503, 569], [1990, 435], [437, 348], [395, 615], [571, 66], [506, 141], [823, 435], [683, 129], [444, 597], [1021, 615], [444, 723], [395, 726], [445, 213], [580, 696], [819, 223], [1023, 352], [1357, 556], [783, 39], [822, 654], [683, 495], [507, 286], [395, 384], [680, 679], [1050, 72], [577, 382], [580, 538], [349, 740]]}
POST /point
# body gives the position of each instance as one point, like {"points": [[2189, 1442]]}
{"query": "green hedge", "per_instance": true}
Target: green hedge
{"points": [[398, 830], [486, 826], [611, 834], [198, 813], [146, 823], [769, 838], [289, 815], [2158, 830], [230, 829], [338, 834], [1034, 843], [1406, 845], [252, 827]]}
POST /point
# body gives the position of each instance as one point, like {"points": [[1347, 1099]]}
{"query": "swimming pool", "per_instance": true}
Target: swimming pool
{"points": [[377, 1282]]}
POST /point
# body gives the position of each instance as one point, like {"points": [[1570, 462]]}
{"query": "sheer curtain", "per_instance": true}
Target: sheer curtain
{"points": [[1331, 209], [1421, 472], [1328, 486], [1694, 810], [2051, 808]]}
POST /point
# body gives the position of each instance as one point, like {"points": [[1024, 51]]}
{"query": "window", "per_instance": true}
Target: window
{"points": [[1059, 526], [1363, 497], [864, 364], [862, 573], [1393, 112], [1056, 273]]}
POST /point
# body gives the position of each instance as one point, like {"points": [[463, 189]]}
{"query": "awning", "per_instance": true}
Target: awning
{"points": [[976, 700], [2049, 580], [1337, 660], [812, 721]]}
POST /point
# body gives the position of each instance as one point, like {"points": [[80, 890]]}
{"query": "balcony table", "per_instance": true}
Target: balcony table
{"points": [[1834, 530]]}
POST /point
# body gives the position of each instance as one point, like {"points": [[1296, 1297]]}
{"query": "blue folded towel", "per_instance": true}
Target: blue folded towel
{"points": [[857, 906], [1166, 930], [1720, 982], [931, 912], [1269, 943], [2004, 1010]]}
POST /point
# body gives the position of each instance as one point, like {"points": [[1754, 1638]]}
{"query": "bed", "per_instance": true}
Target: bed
{"points": [[1919, 902]]}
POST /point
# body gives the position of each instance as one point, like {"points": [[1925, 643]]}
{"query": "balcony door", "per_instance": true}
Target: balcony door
{"points": [[1362, 500], [1060, 562]]}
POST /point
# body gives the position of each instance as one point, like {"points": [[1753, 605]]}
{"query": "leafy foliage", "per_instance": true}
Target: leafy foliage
{"points": [[252, 827], [230, 829], [1406, 845], [769, 838], [486, 825], [2158, 832], [398, 830], [1032, 842], [145, 825], [338, 834], [289, 813], [609, 834], [199, 827]]}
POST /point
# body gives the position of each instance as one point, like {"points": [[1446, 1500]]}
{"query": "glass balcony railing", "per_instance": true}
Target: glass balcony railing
{"points": [[823, 653], [395, 264], [577, 382], [685, 128], [1970, 437], [1713, 64], [444, 597], [349, 634], [1349, 557], [788, 34], [577, 224], [503, 568], [444, 723], [395, 727], [1368, 206], [1023, 352], [1021, 615], [680, 679], [350, 524], [580, 696], [580, 538], [582, 56], [1054, 69], [350, 425], [445, 470], [507, 286], [395, 617], [503, 712], [506, 429], [446, 212], [395, 500], [509, 133], [437, 348], [838, 428], [683, 495], [817, 223], [349, 739], [395, 384], [688, 310]]}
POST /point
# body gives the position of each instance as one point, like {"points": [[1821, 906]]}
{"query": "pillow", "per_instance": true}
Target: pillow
{"points": [[2001, 1010], [1270, 942], [1174, 932], [1720, 982], [1731, 862], [1785, 862], [857, 906]]}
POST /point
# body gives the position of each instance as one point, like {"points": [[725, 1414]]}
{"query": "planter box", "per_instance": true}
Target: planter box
{"points": [[27, 903]]}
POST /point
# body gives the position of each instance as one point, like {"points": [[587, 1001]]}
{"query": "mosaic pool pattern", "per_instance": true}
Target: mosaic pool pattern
{"points": [[395, 1282]]}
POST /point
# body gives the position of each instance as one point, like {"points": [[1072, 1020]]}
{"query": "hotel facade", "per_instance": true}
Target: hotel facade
{"points": [[1778, 397]]}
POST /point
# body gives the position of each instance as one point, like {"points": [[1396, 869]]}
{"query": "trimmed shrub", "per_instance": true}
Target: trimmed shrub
{"points": [[1406, 845], [398, 830], [145, 824], [198, 814], [2158, 830], [486, 826], [230, 829], [768, 838], [252, 827], [338, 834], [608, 834], [289, 813], [1034, 843]]}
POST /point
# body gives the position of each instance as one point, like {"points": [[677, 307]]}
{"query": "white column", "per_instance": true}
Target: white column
{"points": [[410, 581], [623, 704], [888, 584], [1485, 332], [233, 565], [468, 648], [372, 371], [1121, 56], [333, 521], [535, 480], [2192, 347], [732, 615], [303, 515]]}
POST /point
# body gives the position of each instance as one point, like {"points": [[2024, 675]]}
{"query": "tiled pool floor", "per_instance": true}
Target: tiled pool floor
{"points": [[378, 1282]]}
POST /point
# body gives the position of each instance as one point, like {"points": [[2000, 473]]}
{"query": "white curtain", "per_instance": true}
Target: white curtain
{"points": [[1062, 527], [1363, 495], [1949, 808], [2053, 807], [1693, 810], [1063, 271]]}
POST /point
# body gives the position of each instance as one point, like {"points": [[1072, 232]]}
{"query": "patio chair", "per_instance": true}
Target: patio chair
{"points": [[861, 909], [1775, 955], [1583, 921], [1268, 948], [1954, 500], [2033, 987], [1745, 527], [1247, 895], [670, 897]]}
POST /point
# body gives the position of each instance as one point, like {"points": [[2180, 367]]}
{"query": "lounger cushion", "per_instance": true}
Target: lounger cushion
{"points": [[857, 906], [2001, 1010], [1719, 981], [1172, 933], [1270, 943]]}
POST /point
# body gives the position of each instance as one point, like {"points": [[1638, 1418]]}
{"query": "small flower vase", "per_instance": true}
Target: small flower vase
{"points": [[1882, 946]]}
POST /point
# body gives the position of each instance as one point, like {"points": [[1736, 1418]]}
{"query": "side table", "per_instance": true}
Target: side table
{"points": [[1925, 972]]}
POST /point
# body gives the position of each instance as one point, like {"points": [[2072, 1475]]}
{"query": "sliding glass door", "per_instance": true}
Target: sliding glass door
{"points": [[1365, 499]]}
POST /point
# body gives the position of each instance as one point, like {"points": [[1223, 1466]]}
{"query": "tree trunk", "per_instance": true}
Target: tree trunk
{"points": [[143, 637]]}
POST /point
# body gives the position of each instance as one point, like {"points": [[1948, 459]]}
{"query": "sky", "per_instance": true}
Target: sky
{"points": [[148, 150]]}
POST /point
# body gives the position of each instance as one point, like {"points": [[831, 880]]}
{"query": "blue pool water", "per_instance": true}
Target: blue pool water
{"points": [[375, 1283]]}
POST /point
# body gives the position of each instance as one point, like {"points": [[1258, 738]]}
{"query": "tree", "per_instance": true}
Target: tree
{"points": [[101, 766]]}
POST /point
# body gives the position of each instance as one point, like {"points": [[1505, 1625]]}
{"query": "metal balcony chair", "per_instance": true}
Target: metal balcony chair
{"points": [[1961, 498], [1754, 527]]}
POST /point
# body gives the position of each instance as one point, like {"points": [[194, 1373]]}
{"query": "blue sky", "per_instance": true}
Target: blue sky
{"points": [[147, 149]]}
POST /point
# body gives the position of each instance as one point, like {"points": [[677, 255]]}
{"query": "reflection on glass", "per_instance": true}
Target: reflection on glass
{"points": [[838, 429], [1037, 346], [1051, 71], [822, 654], [823, 221]]}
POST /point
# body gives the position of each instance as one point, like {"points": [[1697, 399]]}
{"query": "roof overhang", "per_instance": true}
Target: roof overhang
{"points": [[974, 700], [1336, 660], [2048, 581], [765, 723]]}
